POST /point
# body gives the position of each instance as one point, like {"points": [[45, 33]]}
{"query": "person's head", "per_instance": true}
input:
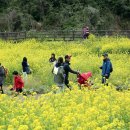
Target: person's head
{"points": [[105, 56], [87, 27], [67, 58], [60, 60], [25, 59], [52, 55], [15, 73]]}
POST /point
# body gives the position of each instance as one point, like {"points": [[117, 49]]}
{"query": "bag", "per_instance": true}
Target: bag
{"points": [[58, 70], [6, 72], [55, 71], [111, 68], [28, 71]]}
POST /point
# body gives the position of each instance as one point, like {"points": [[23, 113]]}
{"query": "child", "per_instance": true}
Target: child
{"points": [[18, 82]]}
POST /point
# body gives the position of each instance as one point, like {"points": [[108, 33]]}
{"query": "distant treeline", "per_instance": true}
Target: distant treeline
{"points": [[20, 15]]}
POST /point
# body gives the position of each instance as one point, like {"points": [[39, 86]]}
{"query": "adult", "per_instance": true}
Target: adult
{"points": [[68, 70], [53, 59], [85, 32], [59, 74], [2, 77], [26, 68], [106, 68]]}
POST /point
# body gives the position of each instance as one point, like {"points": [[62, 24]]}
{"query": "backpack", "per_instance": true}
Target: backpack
{"points": [[58, 70], [55, 71], [111, 67], [4, 71]]}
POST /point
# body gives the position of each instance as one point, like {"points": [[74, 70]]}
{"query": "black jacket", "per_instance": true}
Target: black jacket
{"points": [[67, 69], [52, 59], [24, 66]]}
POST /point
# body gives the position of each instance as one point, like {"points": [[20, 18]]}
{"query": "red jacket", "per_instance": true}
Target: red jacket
{"points": [[18, 82]]}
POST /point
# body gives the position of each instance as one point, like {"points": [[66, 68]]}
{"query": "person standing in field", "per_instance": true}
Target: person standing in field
{"points": [[52, 59], [3, 74], [18, 82], [59, 74], [26, 68], [85, 32], [68, 70], [106, 68]]}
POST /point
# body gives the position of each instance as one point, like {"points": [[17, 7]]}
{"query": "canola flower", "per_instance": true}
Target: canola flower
{"points": [[86, 56], [101, 109]]}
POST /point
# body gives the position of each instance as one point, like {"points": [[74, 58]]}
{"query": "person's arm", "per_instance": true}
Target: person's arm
{"points": [[108, 68], [71, 71]]}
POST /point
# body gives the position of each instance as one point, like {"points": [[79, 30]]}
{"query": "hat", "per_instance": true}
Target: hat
{"points": [[105, 54], [15, 73], [68, 56]]}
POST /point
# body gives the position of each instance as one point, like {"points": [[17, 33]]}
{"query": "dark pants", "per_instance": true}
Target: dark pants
{"points": [[1, 88], [85, 36], [104, 79], [67, 83], [19, 90]]}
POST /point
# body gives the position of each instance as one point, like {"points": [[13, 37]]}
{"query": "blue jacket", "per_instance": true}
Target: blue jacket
{"points": [[106, 67]]}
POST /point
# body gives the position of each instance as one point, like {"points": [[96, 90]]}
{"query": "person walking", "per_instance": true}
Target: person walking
{"points": [[26, 68], [68, 70], [107, 69], [86, 32], [2, 77], [59, 74]]}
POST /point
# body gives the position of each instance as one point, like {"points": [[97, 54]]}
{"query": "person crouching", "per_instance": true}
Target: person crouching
{"points": [[84, 80], [18, 82]]}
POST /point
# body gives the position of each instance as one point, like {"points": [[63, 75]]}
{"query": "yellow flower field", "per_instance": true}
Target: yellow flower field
{"points": [[101, 108], [86, 56]]}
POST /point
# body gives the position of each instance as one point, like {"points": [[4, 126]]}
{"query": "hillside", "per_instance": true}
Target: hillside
{"points": [[17, 15]]}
